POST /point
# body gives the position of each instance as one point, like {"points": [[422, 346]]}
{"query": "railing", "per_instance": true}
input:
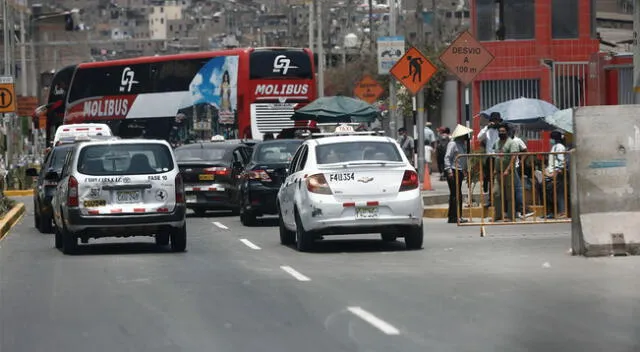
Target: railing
{"points": [[532, 193]]}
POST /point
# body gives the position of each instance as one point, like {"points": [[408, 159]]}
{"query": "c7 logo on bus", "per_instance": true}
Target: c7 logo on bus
{"points": [[283, 63], [127, 80]]}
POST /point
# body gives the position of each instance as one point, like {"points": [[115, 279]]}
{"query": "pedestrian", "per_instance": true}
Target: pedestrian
{"points": [[519, 175], [406, 143], [456, 169], [505, 174], [441, 150], [554, 175], [489, 134]]}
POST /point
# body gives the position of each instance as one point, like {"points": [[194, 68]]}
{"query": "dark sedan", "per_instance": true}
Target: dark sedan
{"points": [[211, 174], [263, 176], [54, 161]]}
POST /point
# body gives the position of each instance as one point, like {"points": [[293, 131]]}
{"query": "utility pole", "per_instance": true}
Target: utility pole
{"points": [[636, 50], [371, 25], [312, 5], [420, 98], [435, 23], [320, 52], [394, 120], [23, 56]]}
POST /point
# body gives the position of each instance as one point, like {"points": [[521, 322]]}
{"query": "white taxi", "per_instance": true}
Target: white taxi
{"points": [[353, 184], [119, 188]]}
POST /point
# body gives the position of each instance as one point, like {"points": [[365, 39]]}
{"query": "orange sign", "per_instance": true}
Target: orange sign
{"points": [[368, 89], [466, 57], [413, 70]]}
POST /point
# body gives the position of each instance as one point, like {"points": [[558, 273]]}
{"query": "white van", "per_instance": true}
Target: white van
{"points": [[81, 129]]}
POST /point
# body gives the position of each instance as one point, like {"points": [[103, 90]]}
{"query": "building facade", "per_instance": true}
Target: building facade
{"points": [[542, 50]]}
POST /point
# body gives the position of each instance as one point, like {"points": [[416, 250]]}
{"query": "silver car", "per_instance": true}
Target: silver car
{"points": [[119, 188]]}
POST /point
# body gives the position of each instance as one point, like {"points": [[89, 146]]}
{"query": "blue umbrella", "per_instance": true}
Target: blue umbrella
{"points": [[523, 110]]}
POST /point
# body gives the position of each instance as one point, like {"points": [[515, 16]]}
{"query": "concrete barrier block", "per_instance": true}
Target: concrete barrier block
{"points": [[605, 173]]}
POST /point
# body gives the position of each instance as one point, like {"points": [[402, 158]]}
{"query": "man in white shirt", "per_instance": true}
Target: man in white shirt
{"points": [[489, 135]]}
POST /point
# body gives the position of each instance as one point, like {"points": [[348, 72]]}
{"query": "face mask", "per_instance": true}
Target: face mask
{"points": [[552, 142], [502, 136]]}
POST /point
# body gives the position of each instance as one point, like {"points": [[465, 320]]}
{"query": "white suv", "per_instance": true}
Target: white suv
{"points": [[350, 185], [119, 188]]}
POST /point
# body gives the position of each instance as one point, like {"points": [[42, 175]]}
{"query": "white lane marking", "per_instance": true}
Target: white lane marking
{"points": [[249, 243], [220, 225], [375, 321], [293, 272]]}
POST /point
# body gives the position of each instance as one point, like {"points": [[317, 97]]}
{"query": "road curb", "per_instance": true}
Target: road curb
{"points": [[18, 193], [10, 218]]}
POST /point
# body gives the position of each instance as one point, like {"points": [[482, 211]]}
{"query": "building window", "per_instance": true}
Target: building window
{"points": [[564, 19], [593, 17], [516, 16], [486, 18]]}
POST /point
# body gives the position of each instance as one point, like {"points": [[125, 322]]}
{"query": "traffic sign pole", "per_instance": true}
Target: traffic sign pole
{"points": [[420, 128], [393, 99]]}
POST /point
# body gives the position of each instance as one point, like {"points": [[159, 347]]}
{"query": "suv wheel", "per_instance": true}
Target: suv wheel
{"points": [[44, 224], [304, 240], [247, 218], [69, 242], [36, 216], [179, 239], [414, 238], [286, 237], [58, 238], [162, 239]]}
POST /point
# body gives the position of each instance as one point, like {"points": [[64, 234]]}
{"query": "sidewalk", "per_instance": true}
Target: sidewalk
{"points": [[436, 202]]}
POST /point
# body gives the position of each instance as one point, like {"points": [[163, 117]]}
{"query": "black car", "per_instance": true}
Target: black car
{"points": [[54, 161], [211, 173], [263, 176]]}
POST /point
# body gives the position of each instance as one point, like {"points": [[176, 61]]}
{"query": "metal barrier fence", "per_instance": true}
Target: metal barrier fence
{"points": [[534, 192]]}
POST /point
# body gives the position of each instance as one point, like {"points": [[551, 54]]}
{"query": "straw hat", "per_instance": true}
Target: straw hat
{"points": [[461, 131]]}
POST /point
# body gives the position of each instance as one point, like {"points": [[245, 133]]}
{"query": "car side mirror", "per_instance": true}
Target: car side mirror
{"points": [[52, 176], [237, 165], [32, 172]]}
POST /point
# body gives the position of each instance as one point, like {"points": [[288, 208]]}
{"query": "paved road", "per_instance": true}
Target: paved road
{"points": [[237, 289]]}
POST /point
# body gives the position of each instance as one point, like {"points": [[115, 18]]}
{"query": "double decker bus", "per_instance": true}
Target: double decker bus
{"points": [[54, 109], [237, 93]]}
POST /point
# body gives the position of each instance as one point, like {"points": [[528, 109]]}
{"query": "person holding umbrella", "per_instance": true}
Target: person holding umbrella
{"points": [[456, 169]]}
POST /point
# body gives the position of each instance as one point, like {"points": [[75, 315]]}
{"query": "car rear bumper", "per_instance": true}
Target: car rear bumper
{"points": [[208, 196], [339, 216], [261, 199], [115, 224]]}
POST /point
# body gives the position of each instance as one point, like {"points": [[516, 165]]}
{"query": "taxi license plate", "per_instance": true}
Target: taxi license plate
{"points": [[205, 177], [94, 203], [192, 198], [128, 196], [366, 212]]}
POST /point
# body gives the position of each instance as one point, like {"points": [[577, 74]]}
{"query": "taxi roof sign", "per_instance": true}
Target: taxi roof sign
{"points": [[344, 128]]}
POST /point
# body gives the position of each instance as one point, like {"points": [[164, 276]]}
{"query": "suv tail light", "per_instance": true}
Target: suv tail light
{"points": [[318, 184], [260, 175], [179, 189], [218, 171], [72, 192], [409, 181]]}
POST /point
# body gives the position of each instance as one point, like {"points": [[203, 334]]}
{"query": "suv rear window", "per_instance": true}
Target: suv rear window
{"points": [[125, 159], [356, 151]]}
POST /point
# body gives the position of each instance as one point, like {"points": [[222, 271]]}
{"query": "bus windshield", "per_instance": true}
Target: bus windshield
{"points": [[280, 64]]}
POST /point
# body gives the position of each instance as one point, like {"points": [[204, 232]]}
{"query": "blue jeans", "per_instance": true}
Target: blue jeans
{"points": [[517, 185]]}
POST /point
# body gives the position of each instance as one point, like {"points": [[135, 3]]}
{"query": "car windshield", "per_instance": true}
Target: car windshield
{"points": [[281, 152], [200, 154], [125, 159], [357, 151]]}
